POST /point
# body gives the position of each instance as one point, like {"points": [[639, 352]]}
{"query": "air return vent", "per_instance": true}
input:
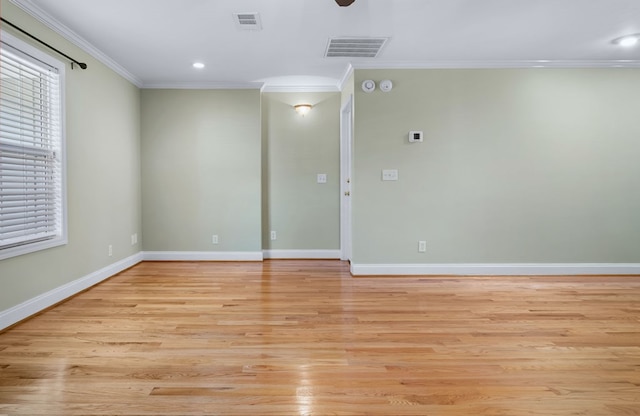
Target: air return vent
{"points": [[247, 21], [354, 47]]}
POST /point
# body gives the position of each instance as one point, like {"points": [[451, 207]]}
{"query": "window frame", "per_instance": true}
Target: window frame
{"points": [[18, 45]]}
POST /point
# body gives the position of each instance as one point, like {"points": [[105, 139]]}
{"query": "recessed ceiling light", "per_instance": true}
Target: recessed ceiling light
{"points": [[198, 65], [627, 41]]}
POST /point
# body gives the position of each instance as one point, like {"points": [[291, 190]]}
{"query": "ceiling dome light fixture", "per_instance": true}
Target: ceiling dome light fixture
{"points": [[628, 41], [302, 109], [198, 65]]}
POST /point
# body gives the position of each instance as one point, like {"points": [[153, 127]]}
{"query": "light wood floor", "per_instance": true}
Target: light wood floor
{"points": [[306, 338]]}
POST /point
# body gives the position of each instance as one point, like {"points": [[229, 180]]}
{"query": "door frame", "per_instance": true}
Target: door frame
{"points": [[346, 178]]}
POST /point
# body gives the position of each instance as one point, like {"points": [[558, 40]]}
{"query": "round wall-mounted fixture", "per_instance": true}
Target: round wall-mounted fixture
{"points": [[368, 85], [302, 109], [386, 85]]}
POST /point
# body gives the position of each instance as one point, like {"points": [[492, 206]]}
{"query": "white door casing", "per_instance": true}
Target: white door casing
{"points": [[346, 178]]}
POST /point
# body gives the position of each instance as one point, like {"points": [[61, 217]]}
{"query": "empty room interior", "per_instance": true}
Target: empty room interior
{"points": [[320, 207]]}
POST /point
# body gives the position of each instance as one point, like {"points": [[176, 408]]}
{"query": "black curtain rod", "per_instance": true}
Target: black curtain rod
{"points": [[80, 64]]}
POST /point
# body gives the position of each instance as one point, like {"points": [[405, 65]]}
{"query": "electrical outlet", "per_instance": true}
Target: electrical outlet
{"points": [[390, 174], [422, 246], [110, 250], [273, 235], [214, 239], [322, 178], [133, 239]]}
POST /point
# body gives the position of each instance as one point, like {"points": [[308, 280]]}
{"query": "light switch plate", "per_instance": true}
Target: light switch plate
{"points": [[390, 174], [422, 246]]}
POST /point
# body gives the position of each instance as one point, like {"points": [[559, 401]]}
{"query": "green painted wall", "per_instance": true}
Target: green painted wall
{"points": [[304, 213], [517, 166], [201, 159], [103, 175]]}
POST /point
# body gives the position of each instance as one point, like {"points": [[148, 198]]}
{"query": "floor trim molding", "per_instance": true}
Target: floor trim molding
{"points": [[301, 254], [498, 269], [202, 255], [41, 302]]}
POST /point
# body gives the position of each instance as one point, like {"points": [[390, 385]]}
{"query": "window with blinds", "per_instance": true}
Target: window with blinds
{"points": [[32, 212]]}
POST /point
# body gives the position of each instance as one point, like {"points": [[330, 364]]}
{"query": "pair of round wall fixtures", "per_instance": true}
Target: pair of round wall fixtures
{"points": [[370, 85]]}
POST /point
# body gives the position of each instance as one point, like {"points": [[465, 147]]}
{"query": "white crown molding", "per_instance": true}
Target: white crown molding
{"points": [[301, 254], [300, 88], [49, 21], [202, 255], [345, 77], [487, 269], [497, 64], [41, 302], [203, 86]]}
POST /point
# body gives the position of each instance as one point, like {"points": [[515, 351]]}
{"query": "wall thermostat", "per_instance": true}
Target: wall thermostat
{"points": [[386, 85], [368, 85], [415, 136]]}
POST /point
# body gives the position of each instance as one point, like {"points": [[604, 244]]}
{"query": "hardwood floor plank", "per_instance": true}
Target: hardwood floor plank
{"points": [[303, 337]]}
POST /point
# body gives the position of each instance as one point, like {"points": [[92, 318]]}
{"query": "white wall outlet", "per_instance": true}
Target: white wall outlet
{"points": [[214, 239], [390, 174], [110, 250], [422, 246], [273, 235], [322, 178], [133, 239]]}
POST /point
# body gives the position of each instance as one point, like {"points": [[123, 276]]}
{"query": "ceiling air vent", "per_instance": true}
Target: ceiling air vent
{"points": [[354, 47], [248, 21]]}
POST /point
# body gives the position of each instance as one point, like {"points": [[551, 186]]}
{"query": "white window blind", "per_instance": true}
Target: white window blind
{"points": [[31, 157]]}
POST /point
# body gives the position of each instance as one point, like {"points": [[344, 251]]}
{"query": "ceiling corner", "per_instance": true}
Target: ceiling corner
{"points": [[46, 19]]}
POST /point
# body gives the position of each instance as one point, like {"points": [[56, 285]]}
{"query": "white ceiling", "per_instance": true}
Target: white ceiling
{"points": [[154, 42]]}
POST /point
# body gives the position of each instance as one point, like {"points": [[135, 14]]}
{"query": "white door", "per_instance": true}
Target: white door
{"points": [[346, 147]]}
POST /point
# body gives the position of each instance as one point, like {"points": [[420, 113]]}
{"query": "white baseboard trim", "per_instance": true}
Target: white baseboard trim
{"points": [[32, 306], [301, 254], [487, 269], [202, 255]]}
